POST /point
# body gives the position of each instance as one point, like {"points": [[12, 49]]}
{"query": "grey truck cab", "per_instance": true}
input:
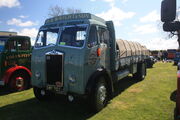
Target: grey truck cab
{"points": [[77, 55]]}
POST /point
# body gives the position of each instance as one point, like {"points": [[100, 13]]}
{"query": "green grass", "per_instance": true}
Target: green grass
{"points": [[150, 99]]}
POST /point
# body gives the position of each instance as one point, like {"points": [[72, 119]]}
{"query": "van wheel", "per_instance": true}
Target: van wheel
{"points": [[19, 81], [41, 94], [141, 72], [99, 96]]}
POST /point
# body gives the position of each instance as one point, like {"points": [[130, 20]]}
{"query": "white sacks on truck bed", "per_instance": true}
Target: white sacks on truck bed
{"points": [[130, 52]]}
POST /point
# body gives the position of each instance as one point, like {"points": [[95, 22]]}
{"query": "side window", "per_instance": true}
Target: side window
{"points": [[11, 45], [103, 35], [80, 35], [23, 45], [92, 41]]}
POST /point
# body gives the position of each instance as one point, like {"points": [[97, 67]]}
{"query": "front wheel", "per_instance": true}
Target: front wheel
{"points": [[99, 97], [41, 94]]}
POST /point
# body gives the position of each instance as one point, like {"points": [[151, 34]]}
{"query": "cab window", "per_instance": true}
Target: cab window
{"points": [[92, 41], [11, 45], [103, 35], [23, 45]]}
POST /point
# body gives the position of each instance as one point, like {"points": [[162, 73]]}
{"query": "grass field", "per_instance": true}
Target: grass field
{"points": [[150, 99]]}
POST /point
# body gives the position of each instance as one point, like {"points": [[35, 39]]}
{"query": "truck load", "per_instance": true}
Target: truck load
{"points": [[78, 55], [15, 61], [130, 52]]}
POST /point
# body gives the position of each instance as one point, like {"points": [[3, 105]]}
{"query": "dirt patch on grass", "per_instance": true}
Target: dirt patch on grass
{"points": [[119, 104], [135, 90]]}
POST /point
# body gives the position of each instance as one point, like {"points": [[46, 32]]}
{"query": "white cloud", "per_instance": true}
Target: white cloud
{"points": [[111, 2], [158, 43], [151, 17], [124, 1], [23, 16], [18, 22], [162, 44], [104, 0], [116, 14], [145, 29], [9, 3], [32, 33], [12, 30]]}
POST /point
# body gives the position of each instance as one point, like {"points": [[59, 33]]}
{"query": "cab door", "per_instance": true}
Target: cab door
{"points": [[91, 58], [10, 54]]}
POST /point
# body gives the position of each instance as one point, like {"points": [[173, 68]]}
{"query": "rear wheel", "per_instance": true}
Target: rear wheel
{"points": [[19, 81], [141, 72], [99, 96], [41, 94]]}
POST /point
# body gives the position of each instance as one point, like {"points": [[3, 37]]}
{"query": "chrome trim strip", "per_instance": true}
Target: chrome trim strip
{"points": [[54, 52]]}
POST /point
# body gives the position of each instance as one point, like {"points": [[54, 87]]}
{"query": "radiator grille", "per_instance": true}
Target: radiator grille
{"points": [[54, 69]]}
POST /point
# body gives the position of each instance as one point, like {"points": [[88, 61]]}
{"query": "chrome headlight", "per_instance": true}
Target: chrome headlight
{"points": [[37, 74]]}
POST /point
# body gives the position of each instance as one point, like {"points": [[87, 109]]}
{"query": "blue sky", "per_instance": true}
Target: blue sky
{"points": [[135, 20]]}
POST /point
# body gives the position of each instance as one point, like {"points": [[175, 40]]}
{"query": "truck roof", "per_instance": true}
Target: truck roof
{"points": [[6, 33], [77, 16]]}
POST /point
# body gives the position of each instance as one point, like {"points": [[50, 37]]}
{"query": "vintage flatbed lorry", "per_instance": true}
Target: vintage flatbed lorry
{"points": [[15, 61], [78, 55]]}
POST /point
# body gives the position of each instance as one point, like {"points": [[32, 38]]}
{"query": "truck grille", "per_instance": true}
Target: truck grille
{"points": [[54, 69]]}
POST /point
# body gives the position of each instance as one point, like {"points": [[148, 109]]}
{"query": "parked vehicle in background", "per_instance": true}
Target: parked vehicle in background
{"points": [[15, 61], [177, 58], [150, 61], [171, 53], [78, 55]]}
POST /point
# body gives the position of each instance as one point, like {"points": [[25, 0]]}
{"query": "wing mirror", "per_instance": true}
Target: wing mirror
{"points": [[168, 10]]}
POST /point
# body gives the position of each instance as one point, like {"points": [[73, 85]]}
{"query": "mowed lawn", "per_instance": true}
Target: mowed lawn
{"points": [[150, 99]]}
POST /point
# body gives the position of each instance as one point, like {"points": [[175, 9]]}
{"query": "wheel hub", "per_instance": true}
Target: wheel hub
{"points": [[19, 82], [102, 93]]}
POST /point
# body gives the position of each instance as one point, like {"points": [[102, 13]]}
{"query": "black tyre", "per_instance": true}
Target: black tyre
{"points": [[141, 72], [99, 96], [41, 94], [19, 81]]}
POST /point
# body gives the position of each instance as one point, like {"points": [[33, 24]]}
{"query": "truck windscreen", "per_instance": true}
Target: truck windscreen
{"points": [[47, 37], [73, 36], [2, 43]]}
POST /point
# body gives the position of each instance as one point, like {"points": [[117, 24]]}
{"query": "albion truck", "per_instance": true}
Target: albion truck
{"points": [[15, 61], [78, 55]]}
